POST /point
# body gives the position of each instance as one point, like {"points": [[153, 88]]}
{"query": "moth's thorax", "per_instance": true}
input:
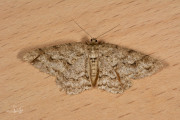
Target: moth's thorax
{"points": [[93, 63]]}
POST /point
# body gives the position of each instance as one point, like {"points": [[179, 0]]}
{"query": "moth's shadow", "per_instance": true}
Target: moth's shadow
{"points": [[85, 39]]}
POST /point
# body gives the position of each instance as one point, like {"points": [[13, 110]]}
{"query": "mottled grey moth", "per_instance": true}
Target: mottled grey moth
{"points": [[80, 66]]}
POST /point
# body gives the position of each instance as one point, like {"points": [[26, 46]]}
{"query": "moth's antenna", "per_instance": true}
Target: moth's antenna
{"points": [[82, 29], [107, 31]]}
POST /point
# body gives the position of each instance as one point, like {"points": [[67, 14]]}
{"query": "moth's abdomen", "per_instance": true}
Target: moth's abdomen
{"points": [[93, 66], [93, 70]]}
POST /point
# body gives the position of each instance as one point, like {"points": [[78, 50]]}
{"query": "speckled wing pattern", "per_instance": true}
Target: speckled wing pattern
{"points": [[118, 66], [69, 64]]}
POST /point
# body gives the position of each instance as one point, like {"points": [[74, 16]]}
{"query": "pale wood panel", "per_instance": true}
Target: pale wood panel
{"points": [[152, 27]]}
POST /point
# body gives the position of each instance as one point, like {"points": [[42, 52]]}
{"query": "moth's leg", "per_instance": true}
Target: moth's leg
{"points": [[124, 83], [119, 79]]}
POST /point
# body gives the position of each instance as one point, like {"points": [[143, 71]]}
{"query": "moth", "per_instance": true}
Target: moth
{"points": [[81, 66]]}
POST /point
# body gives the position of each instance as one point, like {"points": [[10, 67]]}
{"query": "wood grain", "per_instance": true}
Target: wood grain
{"points": [[152, 27]]}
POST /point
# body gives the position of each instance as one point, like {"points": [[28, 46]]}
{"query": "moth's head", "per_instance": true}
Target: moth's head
{"points": [[94, 41]]}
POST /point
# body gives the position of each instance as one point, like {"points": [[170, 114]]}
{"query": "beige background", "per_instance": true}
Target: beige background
{"points": [[149, 26]]}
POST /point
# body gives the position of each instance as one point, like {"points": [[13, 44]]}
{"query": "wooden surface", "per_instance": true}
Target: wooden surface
{"points": [[152, 27]]}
